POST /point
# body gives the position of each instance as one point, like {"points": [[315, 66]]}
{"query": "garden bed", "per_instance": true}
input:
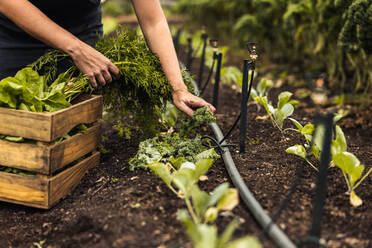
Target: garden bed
{"points": [[115, 207]]}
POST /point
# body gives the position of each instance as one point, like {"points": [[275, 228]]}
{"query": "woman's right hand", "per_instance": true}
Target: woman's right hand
{"points": [[94, 64]]}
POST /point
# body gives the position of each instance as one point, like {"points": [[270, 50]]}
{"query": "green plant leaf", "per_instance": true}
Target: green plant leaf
{"points": [[339, 144], [200, 200], [263, 101], [217, 194], [356, 174], [184, 180], [227, 233], [297, 150], [162, 171], [245, 242], [264, 86], [319, 137], [14, 139], [191, 228], [207, 154], [287, 110], [283, 98], [170, 114], [296, 123], [308, 129], [229, 200], [211, 215], [201, 235], [177, 162], [349, 164], [202, 166], [279, 117]]}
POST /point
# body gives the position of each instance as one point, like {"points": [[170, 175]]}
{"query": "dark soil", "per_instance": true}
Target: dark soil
{"points": [[116, 207]]}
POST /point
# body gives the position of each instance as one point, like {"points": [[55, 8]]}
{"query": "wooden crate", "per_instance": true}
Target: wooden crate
{"points": [[47, 158], [44, 191], [49, 126]]}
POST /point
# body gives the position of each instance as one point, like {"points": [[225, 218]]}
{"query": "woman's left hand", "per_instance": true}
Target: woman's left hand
{"points": [[187, 102]]}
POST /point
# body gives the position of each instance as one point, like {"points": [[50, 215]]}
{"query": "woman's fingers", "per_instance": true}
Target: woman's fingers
{"points": [[186, 102], [114, 70], [95, 65], [107, 76]]}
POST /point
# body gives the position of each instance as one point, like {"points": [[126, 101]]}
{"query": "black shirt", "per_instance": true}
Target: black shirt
{"points": [[18, 49], [77, 16]]}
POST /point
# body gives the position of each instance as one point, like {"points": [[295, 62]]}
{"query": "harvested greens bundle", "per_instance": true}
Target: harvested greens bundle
{"points": [[140, 92]]}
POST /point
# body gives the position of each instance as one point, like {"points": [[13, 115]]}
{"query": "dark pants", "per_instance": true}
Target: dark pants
{"points": [[14, 59]]}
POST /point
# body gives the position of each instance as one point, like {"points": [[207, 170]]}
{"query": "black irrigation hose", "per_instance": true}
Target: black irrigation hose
{"points": [[209, 77], [218, 144], [275, 233], [240, 114]]}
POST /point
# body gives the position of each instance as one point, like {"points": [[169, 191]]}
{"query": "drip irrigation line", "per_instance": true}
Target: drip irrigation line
{"points": [[209, 77], [218, 145], [311, 240], [274, 232], [231, 128], [238, 117]]}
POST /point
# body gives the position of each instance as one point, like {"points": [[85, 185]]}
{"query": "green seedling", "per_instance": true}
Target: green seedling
{"points": [[307, 148], [263, 88], [350, 166], [206, 236], [283, 110]]}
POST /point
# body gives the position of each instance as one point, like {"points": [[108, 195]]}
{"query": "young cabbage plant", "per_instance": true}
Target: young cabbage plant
{"points": [[307, 148], [283, 110], [350, 166], [206, 236], [263, 88]]}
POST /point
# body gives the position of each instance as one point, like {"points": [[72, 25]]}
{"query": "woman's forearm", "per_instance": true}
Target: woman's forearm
{"points": [[34, 22], [155, 28]]}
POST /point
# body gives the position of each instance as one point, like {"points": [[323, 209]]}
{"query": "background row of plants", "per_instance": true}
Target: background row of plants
{"points": [[353, 171], [333, 36]]}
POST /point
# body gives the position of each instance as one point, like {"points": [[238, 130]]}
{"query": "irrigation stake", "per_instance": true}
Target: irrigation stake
{"points": [[217, 80], [243, 119], [249, 64], [204, 37], [214, 44], [313, 239]]}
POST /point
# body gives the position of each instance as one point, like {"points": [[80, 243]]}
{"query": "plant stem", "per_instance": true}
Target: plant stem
{"points": [[173, 190], [311, 165], [347, 183], [361, 180], [191, 210]]}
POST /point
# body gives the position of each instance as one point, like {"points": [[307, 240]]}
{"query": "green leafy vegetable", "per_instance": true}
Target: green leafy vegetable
{"points": [[27, 90]]}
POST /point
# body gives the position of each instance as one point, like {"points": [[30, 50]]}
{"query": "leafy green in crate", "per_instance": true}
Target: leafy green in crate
{"points": [[29, 91]]}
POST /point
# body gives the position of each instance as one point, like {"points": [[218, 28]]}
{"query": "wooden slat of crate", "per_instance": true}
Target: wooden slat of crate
{"points": [[46, 159], [49, 126], [44, 191]]}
